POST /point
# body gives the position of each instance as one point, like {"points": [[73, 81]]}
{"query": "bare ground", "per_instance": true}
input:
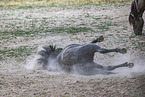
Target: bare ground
{"points": [[111, 21]]}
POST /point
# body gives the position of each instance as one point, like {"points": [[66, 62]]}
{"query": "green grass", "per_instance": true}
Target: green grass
{"points": [[7, 3], [70, 30], [19, 52], [27, 25]]}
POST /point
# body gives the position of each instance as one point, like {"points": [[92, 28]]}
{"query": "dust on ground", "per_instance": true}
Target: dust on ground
{"points": [[111, 21]]}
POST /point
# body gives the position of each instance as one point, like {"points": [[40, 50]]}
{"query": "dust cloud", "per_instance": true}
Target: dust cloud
{"points": [[53, 66], [138, 64]]}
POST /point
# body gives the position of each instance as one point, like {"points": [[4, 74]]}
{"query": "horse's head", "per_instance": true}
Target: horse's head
{"points": [[135, 17], [52, 50], [48, 53], [137, 23]]}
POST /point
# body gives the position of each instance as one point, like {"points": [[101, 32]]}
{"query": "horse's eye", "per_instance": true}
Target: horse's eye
{"points": [[131, 14]]}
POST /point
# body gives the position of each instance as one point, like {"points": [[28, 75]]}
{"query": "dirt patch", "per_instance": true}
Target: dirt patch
{"points": [[63, 26]]}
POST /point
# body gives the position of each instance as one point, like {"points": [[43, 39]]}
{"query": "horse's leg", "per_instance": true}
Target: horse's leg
{"points": [[99, 39], [102, 50], [92, 69], [126, 64]]}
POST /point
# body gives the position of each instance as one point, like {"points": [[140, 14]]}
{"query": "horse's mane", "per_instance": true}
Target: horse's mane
{"points": [[45, 54], [134, 8], [134, 11], [47, 50]]}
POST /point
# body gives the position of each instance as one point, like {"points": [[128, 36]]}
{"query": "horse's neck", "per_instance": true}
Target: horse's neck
{"points": [[140, 4]]}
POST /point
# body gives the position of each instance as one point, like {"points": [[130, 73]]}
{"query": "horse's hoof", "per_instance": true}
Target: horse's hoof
{"points": [[130, 65], [101, 38], [123, 51]]}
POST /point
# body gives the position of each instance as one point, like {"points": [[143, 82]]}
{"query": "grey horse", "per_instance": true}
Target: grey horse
{"points": [[81, 57]]}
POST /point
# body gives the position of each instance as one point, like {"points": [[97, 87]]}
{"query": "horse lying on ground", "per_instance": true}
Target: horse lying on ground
{"points": [[135, 17], [79, 56]]}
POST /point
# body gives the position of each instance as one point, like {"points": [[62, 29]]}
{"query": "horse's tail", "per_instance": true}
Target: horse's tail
{"points": [[47, 53]]}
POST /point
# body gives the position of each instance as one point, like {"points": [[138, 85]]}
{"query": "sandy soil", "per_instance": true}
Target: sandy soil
{"points": [[21, 79]]}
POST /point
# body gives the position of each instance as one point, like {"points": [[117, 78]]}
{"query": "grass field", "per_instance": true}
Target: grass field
{"points": [[7, 3], [22, 24], [25, 29]]}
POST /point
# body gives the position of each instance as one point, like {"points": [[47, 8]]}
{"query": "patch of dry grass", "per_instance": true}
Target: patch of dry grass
{"points": [[6, 3]]}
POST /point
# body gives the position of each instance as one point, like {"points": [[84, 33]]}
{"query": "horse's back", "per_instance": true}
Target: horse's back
{"points": [[75, 54], [68, 56]]}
